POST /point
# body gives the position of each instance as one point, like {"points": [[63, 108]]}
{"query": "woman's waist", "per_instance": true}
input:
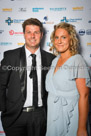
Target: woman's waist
{"points": [[66, 94]]}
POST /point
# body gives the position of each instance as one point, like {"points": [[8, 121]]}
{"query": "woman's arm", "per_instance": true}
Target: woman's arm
{"points": [[83, 106]]}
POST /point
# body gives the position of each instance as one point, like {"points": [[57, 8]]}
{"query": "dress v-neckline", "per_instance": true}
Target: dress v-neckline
{"points": [[61, 65]]}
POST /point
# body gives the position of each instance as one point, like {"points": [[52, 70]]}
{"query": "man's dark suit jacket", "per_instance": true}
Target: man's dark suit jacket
{"points": [[13, 77]]}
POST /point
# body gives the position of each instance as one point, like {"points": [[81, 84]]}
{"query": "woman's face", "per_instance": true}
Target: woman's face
{"points": [[62, 40]]}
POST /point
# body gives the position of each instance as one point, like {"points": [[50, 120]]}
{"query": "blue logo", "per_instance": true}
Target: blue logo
{"points": [[70, 20], [9, 21], [37, 9], [64, 19], [81, 32], [5, 43], [46, 18], [58, 9]]}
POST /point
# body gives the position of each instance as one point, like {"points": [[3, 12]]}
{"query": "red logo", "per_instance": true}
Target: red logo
{"points": [[12, 32]]}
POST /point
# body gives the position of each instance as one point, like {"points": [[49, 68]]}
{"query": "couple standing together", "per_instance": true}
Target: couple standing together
{"points": [[66, 83]]}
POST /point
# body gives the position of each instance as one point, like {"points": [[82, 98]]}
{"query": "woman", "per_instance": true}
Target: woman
{"points": [[67, 83]]}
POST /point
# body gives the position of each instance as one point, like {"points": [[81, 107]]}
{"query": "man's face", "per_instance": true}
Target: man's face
{"points": [[32, 36]]}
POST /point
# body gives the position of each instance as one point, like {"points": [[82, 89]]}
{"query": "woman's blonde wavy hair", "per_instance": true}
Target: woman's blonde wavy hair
{"points": [[73, 38]]}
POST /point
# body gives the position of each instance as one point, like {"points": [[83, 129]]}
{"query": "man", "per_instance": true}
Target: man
{"points": [[20, 115]]}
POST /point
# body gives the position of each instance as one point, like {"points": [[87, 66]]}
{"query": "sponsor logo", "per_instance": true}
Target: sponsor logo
{"points": [[22, 10], [5, 43], [81, 32], [18, 20], [78, 8], [7, 9], [20, 44], [12, 32], [70, 20], [88, 44], [9, 21], [37, 9], [46, 20], [58, 9]]}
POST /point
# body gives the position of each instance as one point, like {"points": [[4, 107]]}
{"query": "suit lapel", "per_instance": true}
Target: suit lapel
{"points": [[43, 59], [43, 71], [22, 72]]}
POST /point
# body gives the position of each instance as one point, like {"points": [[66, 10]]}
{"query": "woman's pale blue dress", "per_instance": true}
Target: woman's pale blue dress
{"points": [[63, 96]]}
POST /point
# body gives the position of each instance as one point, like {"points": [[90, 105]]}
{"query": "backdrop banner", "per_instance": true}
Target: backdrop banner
{"points": [[49, 12]]}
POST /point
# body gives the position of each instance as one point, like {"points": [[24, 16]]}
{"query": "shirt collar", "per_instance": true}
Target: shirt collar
{"points": [[28, 53]]}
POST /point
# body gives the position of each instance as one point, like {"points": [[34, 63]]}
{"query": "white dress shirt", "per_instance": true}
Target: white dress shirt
{"points": [[29, 96]]}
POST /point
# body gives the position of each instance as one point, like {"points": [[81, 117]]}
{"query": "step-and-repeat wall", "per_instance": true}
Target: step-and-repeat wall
{"points": [[49, 12]]}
